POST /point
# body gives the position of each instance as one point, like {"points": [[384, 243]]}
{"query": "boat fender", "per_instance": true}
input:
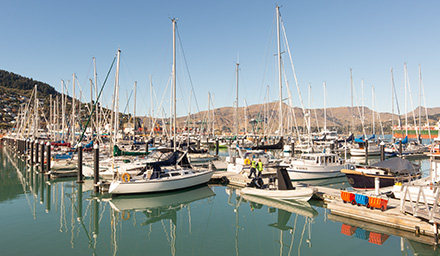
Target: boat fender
{"points": [[125, 215], [126, 177]]}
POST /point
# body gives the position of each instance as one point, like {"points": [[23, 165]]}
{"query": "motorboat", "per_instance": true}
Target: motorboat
{"points": [[312, 166], [281, 189], [388, 171]]}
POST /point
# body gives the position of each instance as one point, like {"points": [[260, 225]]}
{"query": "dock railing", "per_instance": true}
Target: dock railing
{"points": [[421, 201]]}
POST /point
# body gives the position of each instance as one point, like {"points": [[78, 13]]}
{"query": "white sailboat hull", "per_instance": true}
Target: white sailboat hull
{"points": [[299, 194], [161, 184]]}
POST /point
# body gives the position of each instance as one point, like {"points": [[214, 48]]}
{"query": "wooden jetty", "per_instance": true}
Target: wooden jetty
{"points": [[392, 218]]}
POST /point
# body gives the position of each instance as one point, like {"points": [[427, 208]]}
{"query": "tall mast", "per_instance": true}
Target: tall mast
{"points": [[73, 109], [351, 87], [236, 103], [392, 99], [279, 72], [116, 103], [152, 110], [209, 113], [96, 97], [373, 98], [406, 105], [63, 110], [134, 111], [420, 101], [325, 109], [174, 84]]}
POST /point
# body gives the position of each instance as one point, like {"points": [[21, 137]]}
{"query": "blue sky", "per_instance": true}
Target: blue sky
{"points": [[50, 40]]}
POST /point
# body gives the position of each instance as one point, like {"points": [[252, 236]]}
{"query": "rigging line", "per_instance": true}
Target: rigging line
{"points": [[293, 68], [266, 61], [187, 68], [97, 100]]}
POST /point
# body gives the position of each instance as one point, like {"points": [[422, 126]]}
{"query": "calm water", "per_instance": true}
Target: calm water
{"points": [[40, 217]]}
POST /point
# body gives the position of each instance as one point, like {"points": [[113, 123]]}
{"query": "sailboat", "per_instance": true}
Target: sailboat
{"points": [[161, 179]]}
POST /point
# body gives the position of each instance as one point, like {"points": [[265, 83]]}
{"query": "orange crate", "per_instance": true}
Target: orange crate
{"points": [[376, 238], [347, 197], [377, 202], [347, 230]]}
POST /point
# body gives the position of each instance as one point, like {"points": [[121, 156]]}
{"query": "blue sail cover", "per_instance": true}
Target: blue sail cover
{"points": [[372, 137], [404, 141], [359, 139]]}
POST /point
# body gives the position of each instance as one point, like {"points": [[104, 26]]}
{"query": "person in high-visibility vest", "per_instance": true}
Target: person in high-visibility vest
{"points": [[259, 167], [253, 169]]}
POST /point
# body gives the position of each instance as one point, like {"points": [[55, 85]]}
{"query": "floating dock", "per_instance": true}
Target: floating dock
{"points": [[400, 224]]}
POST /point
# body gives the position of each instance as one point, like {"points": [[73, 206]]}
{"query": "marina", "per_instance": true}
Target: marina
{"points": [[374, 227], [157, 154]]}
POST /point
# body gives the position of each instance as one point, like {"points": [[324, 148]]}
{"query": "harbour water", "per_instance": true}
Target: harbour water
{"points": [[41, 217]]}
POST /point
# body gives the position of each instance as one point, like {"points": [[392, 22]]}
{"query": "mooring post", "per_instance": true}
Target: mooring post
{"points": [[96, 167], [42, 157], [146, 146], [400, 147], [95, 218], [48, 198], [79, 201], [292, 148], [31, 160], [80, 151], [216, 146], [366, 149], [376, 185], [37, 146], [198, 144], [382, 151], [48, 156]]}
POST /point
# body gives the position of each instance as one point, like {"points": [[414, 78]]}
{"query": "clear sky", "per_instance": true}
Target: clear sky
{"points": [[50, 40]]}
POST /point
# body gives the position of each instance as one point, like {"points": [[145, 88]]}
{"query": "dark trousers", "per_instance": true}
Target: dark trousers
{"points": [[253, 171]]}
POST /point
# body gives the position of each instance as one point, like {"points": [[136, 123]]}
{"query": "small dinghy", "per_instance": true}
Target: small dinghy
{"points": [[284, 189]]}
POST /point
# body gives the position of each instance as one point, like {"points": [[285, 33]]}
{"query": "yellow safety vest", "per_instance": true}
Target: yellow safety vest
{"points": [[260, 166], [254, 164]]}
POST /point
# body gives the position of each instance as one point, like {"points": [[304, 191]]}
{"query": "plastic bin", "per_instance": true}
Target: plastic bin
{"points": [[377, 202], [376, 238], [361, 199], [347, 197]]}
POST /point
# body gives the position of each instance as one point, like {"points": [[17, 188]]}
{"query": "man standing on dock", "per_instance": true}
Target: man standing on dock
{"points": [[259, 167], [253, 168]]}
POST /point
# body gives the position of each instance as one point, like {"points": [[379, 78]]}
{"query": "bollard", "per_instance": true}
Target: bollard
{"points": [[80, 151], [31, 160], [36, 151], [400, 147], [48, 156], [376, 185], [216, 146], [96, 167], [146, 147], [42, 157], [292, 148], [382, 151], [366, 148]]}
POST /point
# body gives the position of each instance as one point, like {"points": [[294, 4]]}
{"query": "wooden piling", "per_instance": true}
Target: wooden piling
{"points": [[48, 156], [80, 151], [96, 168], [42, 157]]}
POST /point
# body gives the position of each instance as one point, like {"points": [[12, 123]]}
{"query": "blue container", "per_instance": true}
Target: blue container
{"points": [[361, 199]]}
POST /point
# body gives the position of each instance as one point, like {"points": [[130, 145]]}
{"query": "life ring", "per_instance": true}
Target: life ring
{"points": [[126, 177], [125, 215], [247, 161]]}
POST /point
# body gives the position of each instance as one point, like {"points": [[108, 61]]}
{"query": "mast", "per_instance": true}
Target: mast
{"points": [[73, 110], [174, 83], [406, 105], [96, 95], [279, 72], [351, 87], [392, 100], [152, 110], [236, 104], [116, 104], [325, 109], [420, 103], [209, 112], [63, 110], [373, 97], [134, 111]]}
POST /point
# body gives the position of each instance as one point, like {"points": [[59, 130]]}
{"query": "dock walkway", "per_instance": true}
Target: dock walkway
{"points": [[392, 218]]}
